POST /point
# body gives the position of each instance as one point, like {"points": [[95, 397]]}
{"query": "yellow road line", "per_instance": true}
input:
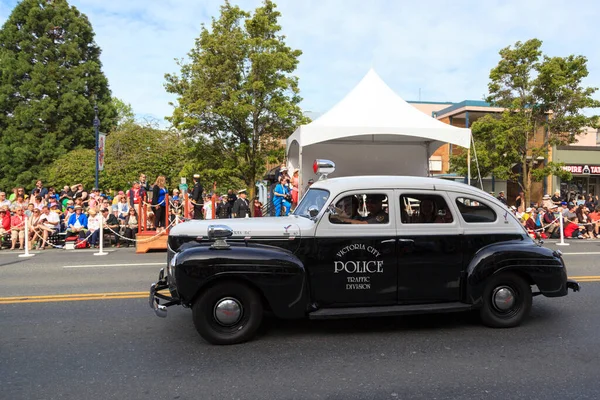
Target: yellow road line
{"points": [[54, 300], [51, 298], [75, 297]]}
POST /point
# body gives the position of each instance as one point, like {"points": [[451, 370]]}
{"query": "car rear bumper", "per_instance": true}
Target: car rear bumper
{"points": [[160, 309]]}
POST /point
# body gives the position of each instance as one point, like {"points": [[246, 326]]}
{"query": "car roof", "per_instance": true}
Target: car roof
{"points": [[338, 185]]}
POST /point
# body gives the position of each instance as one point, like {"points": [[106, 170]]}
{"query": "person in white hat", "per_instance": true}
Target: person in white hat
{"points": [[241, 207], [547, 201], [196, 197]]}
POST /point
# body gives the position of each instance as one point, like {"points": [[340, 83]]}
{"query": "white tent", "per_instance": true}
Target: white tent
{"points": [[372, 131]]}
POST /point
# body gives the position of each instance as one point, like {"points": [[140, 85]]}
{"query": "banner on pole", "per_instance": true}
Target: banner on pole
{"points": [[101, 145]]}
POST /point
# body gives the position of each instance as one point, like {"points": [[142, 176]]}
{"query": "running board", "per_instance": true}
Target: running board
{"points": [[385, 311]]}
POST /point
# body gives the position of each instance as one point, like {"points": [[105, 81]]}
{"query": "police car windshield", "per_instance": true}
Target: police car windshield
{"points": [[313, 198]]}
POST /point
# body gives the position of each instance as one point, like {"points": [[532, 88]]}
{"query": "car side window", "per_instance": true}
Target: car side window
{"points": [[368, 208], [424, 209], [474, 211]]}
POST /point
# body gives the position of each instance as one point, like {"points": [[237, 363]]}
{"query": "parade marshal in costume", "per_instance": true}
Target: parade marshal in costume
{"points": [[241, 207], [197, 197]]}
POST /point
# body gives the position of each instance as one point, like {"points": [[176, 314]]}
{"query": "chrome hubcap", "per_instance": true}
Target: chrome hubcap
{"points": [[504, 298], [228, 311]]}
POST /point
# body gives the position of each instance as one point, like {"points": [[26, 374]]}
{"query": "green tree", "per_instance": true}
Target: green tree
{"points": [[130, 150], [76, 166], [237, 96], [135, 149], [543, 100], [124, 111], [50, 78]]}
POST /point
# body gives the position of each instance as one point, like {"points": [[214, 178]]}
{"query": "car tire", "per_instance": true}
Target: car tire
{"points": [[506, 301], [228, 313]]}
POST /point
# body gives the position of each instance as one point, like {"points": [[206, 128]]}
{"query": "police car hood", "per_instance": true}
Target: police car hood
{"points": [[247, 227]]}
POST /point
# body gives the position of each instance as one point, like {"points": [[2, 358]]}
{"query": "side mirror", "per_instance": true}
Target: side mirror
{"points": [[313, 212]]}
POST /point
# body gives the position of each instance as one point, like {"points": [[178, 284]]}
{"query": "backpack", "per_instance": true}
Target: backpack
{"points": [[81, 243]]}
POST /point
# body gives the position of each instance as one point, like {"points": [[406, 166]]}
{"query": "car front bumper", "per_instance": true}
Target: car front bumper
{"points": [[155, 295], [573, 285]]}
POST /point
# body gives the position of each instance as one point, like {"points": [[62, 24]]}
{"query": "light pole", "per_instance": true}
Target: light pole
{"points": [[96, 128]]}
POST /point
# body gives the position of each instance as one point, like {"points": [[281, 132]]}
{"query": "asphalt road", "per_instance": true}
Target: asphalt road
{"points": [[117, 348]]}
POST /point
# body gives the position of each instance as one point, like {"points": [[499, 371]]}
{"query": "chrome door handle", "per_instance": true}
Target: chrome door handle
{"points": [[407, 241], [388, 241]]}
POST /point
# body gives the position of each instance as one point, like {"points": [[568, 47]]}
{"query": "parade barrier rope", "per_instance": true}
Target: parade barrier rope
{"points": [[149, 239], [543, 228], [86, 239]]}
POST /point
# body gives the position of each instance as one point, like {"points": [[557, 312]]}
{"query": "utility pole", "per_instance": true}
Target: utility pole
{"points": [[96, 128]]}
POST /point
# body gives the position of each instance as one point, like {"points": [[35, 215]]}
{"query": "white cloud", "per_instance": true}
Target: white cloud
{"points": [[445, 48]]}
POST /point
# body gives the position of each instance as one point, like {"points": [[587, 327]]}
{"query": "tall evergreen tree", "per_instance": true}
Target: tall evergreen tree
{"points": [[50, 79]]}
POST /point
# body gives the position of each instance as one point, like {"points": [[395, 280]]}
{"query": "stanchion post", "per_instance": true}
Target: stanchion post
{"points": [[562, 233], [26, 254], [101, 251], [167, 211], [186, 208]]}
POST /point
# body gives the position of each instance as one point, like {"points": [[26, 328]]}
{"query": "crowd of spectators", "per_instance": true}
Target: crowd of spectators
{"points": [[77, 212], [580, 215]]}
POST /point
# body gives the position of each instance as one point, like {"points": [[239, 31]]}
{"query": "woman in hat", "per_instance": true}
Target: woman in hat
{"points": [[34, 232], [94, 227], [77, 223]]}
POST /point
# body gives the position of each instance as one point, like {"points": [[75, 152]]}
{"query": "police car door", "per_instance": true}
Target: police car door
{"points": [[355, 261], [429, 247]]}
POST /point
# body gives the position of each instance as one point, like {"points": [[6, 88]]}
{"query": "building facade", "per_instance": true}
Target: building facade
{"points": [[581, 158]]}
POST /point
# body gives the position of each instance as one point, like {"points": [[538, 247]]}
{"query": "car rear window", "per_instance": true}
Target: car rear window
{"points": [[474, 211], [424, 209]]}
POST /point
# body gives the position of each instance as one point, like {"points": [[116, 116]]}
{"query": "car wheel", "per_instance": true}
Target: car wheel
{"points": [[227, 313], [506, 301]]}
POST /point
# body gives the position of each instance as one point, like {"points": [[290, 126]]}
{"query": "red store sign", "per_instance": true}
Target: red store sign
{"points": [[583, 169]]}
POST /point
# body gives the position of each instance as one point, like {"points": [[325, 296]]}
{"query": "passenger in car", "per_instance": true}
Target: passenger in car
{"points": [[426, 212], [375, 207]]}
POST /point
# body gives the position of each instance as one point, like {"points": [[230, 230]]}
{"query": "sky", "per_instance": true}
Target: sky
{"points": [[429, 50]]}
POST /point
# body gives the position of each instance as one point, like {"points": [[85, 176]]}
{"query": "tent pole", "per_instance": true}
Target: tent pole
{"points": [[428, 156], [469, 166], [468, 152]]}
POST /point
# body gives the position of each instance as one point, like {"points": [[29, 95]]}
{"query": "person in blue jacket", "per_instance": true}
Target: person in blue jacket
{"points": [[78, 222], [282, 197]]}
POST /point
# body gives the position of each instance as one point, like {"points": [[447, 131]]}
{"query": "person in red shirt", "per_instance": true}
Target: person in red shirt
{"points": [[5, 218], [573, 230], [17, 229], [135, 197], [594, 218]]}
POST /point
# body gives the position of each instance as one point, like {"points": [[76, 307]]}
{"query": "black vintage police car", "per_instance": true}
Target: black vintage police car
{"points": [[356, 247]]}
